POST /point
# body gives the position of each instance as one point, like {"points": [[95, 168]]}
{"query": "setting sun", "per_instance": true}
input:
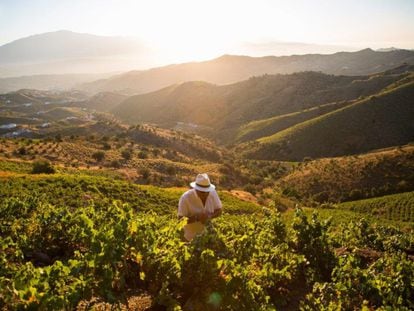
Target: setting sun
{"points": [[186, 30]]}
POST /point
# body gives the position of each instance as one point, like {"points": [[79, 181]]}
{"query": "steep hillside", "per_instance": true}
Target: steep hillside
{"points": [[224, 109], [352, 177], [230, 69], [379, 121], [196, 102], [267, 127]]}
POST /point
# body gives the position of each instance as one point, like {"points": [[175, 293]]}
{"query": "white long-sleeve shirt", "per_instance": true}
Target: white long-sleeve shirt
{"points": [[190, 204]]}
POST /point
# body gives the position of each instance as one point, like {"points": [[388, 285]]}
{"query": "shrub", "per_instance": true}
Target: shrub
{"points": [[115, 164], [126, 154], [143, 155], [355, 194], [22, 151], [146, 173], [98, 156], [250, 188], [106, 146], [171, 170], [42, 167]]}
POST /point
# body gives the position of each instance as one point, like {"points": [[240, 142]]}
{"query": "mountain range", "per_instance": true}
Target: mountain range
{"points": [[273, 107], [63, 52], [259, 106], [65, 59], [231, 68]]}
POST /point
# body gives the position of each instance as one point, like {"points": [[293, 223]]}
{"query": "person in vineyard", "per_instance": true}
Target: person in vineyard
{"points": [[199, 204]]}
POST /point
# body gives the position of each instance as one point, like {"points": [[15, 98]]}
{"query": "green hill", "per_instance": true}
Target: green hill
{"points": [[396, 206], [220, 110], [267, 127], [379, 121]]}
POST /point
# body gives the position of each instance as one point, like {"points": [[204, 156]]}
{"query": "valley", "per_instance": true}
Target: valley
{"points": [[315, 170]]}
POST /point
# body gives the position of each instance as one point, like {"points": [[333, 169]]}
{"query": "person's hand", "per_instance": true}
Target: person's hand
{"points": [[203, 217]]}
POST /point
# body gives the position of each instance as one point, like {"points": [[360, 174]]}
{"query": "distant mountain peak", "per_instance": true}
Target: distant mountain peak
{"points": [[367, 50], [390, 49], [65, 51], [226, 57]]}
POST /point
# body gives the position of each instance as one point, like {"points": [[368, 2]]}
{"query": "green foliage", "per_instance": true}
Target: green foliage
{"points": [[387, 283], [396, 207], [42, 167], [67, 238], [79, 190], [14, 166], [311, 240], [250, 262], [241, 260]]}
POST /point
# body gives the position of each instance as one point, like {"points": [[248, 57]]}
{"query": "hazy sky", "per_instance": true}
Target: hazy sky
{"points": [[201, 27]]}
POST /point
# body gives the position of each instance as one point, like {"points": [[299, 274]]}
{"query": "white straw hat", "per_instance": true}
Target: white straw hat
{"points": [[202, 183]]}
